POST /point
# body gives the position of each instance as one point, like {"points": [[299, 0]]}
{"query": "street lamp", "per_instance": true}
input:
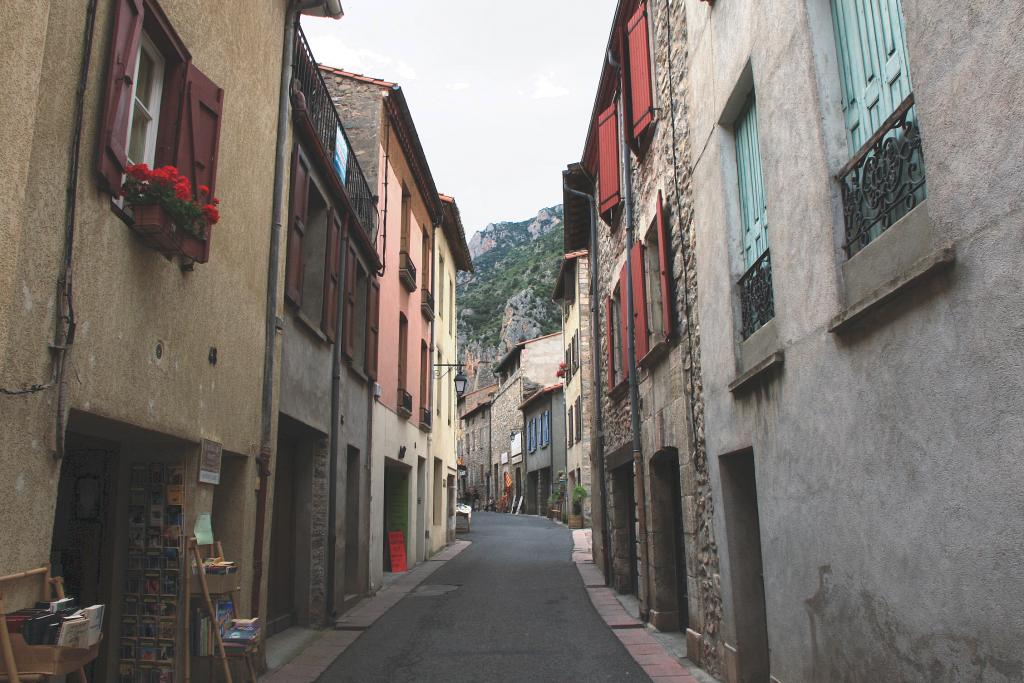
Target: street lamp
{"points": [[461, 381]]}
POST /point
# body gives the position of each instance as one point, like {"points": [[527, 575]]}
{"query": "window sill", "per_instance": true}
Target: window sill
{"points": [[758, 355], [756, 373], [934, 262], [900, 257], [310, 326], [657, 353], [619, 391]]}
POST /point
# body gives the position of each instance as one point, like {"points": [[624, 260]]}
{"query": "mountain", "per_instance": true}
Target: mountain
{"points": [[508, 298]]}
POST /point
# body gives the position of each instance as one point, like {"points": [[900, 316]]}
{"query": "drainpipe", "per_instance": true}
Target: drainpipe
{"points": [[65, 333], [335, 436], [384, 219], [595, 358], [634, 394], [272, 325]]}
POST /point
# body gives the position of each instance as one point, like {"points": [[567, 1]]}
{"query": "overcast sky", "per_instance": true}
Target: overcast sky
{"points": [[501, 92]]}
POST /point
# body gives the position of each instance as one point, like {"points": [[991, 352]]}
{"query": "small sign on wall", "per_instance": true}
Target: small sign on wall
{"points": [[209, 462]]}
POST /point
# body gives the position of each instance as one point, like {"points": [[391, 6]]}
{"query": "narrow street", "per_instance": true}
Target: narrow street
{"points": [[511, 607]]}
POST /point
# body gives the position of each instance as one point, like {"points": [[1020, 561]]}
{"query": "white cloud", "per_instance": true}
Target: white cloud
{"points": [[545, 87], [458, 86]]}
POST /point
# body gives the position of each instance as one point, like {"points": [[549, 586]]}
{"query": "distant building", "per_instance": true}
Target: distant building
{"points": [[545, 446], [572, 292], [476, 441], [527, 366]]}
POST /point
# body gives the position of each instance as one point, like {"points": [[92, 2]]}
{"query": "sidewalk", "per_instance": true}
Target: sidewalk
{"points": [[307, 666], [644, 643]]}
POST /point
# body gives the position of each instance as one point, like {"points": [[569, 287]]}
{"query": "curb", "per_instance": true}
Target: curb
{"points": [[659, 665]]}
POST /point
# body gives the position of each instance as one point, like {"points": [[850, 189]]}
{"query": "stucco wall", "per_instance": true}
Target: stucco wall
{"points": [[127, 297], [884, 453]]}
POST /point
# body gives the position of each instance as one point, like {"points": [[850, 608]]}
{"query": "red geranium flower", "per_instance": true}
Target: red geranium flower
{"points": [[211, 214], [204, 190]]}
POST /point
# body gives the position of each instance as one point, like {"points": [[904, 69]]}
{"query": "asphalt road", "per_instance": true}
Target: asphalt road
{"points": [[511, 607]]}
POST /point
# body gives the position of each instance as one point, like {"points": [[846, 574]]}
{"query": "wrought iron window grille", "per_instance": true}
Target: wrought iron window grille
{"points": [[757, 301], [884, 180]]}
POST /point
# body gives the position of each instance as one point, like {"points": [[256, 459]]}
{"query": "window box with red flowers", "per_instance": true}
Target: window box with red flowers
{"points": [[166, 214]]}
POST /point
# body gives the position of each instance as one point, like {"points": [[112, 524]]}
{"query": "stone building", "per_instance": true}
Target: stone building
{"points": [[139, 371], [319, 540], [861, 357], [653, 532], [545, 445], [476, 441], [572, 292], [527, 366]]}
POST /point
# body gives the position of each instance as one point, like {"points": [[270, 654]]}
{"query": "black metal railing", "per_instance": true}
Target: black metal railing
{"points": [[405, 401], [426, 302], [327, 124], [407, 271], [884, 180], [425, 417], [757, 302]]}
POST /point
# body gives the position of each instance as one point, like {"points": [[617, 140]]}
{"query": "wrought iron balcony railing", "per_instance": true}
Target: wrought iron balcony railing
{"points": [[757, 302], [425, 417], [407, 271], [427, 302], [327, 125], [404, 402], [884, 180]]}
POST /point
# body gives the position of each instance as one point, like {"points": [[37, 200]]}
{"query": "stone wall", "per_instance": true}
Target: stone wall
{"points": [[670, 386]]}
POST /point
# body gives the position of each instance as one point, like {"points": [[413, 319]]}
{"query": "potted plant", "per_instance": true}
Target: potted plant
{"points": [[579, 494], [166, 214], [561, 370], [553, 505]]}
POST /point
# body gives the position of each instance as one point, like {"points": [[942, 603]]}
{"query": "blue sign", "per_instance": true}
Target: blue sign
{"points": [[341, 155]]}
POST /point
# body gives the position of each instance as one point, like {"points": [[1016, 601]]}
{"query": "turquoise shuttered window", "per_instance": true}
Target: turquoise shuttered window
{"points": [[753, 206], [885, 177], [873, 64], [757, 300]]}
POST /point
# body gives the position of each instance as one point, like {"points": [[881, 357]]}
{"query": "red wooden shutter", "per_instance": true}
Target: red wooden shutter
{"points": [[640, 71], [608, 159], [640, 339], [332, 258], [373, 325], [124, 55], [665, 266], [297, 206], [624, 320], [199, 138], [349, 314], [610, 340]]}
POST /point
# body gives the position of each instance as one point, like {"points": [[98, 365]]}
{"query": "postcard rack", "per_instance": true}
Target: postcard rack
{"points": [[208, 586], [23, 662]]}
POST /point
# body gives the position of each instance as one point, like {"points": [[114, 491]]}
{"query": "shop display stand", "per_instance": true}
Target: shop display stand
{"points": [[227, 584], [46, 660]]}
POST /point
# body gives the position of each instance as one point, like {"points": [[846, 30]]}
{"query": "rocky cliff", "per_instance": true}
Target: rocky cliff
{"points": [[508, 298]]}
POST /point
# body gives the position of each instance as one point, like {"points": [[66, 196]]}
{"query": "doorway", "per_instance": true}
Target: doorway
{"points": [[624, 528], [396, 507], [743, 531], [669, 605], [352, 506], [83, 543]]}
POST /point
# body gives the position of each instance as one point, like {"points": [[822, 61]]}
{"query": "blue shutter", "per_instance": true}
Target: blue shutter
{"points": [[873, 65], [753, 206]]}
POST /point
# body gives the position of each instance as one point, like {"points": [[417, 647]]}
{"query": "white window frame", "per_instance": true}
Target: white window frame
{"points": [[152, 108]]}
